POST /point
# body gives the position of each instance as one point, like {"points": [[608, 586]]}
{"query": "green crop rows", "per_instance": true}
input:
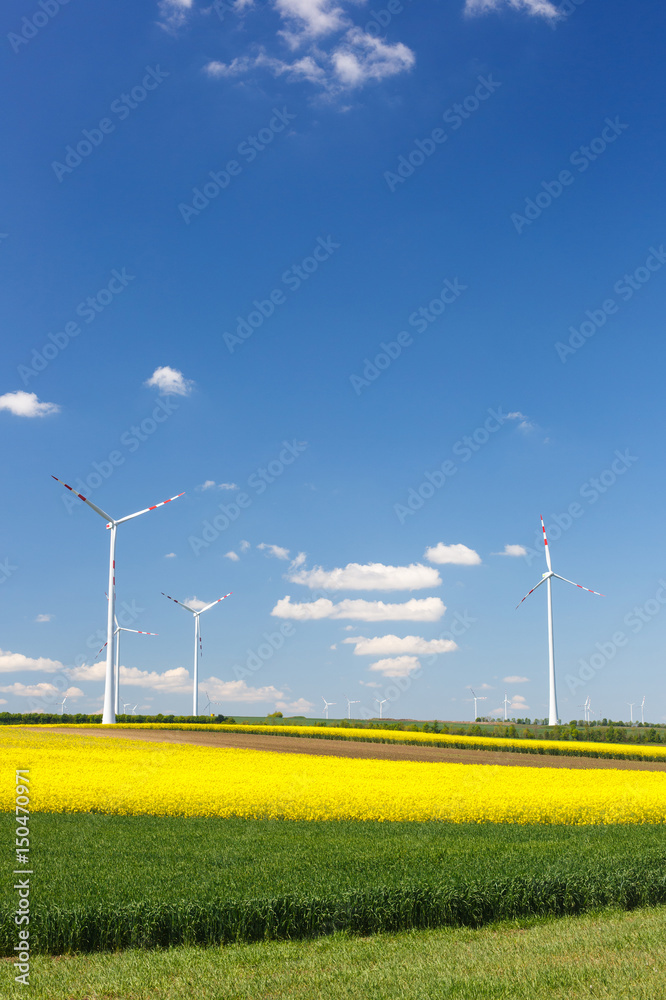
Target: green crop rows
{"points": [[105, 882]]}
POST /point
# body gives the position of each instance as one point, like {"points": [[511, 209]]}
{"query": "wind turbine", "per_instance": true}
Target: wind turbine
{"points": [[109, 713], [327, 705], [349, 705], [208, 703], [197, 644], [506, 702], [62, 705], [380, 703], [642, 707], [126, 704], [547, 578], [135, 708], [631, 710], [586, 708], [118, 629], [477, 697]]}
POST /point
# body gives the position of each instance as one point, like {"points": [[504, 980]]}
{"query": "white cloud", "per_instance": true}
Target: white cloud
{"points": [[244, 545], [329, 50], [429, 609], [525, 422], [170, 555], [274, 550], [194, 602], [238, 691], [176, 680], [392, 645], [26, 404], [300, 706], [536, 8], [457, 555], [232, 555], [95, 672], [9, 662], [210, 484], [512, 550], [369, 576], [44, 618], [515, 679], [298, 561], [371, 684], [173, 13], [42, 690], [400, 666], [170, 380]]}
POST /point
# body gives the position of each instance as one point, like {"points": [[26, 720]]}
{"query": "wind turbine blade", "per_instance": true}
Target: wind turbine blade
{"points": [[578, 585], [98, 510], [146, 509], [186, 606], [121, 628], [103, 647], [213, 603], [545, 542], [530, 592]]}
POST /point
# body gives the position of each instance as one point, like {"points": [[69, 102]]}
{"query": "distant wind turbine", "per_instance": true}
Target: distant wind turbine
{"points": [[477, 697], [547, 578], [62, 705], [349, 705], [506, 702], [109, 714], [380, 703], [642, 707], [631, 710], [197, 643], [118, 629], [327, 705]]}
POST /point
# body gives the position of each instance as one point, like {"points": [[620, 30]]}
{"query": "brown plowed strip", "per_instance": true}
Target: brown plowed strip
{"points": [[367, 751]]}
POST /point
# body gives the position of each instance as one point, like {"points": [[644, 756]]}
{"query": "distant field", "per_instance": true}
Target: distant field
{"points": [[612, 954], [106, 882]]}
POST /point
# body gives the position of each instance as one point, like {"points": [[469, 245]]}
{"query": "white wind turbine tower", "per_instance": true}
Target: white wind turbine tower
{"points": [[118, 629], [381, 702], [631, 710], [642, 707], [197, 643], [109, 713], [327, 705], [506, 702], [349, 705], [62, 705], [126, 704], [547, 578], [586, 708], [476, 698]]}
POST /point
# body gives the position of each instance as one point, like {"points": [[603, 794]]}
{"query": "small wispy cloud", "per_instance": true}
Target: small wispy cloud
{"points": [[210, 484], [44, 618], [525, 424], [274, 550], [456, 555], [534, 8], [515, 679], [512, 550], [170, 555], [232, 555]]}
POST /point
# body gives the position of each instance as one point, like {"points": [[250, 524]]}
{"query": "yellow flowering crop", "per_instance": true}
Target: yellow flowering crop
{"points": [[570, 747], [75, 773]]}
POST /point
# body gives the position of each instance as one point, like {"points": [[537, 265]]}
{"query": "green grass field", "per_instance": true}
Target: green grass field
{"points": [[105, 882], [614, 955]]}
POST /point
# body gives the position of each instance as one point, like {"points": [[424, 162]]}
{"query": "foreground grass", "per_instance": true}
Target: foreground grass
{"points": [[611, 955], [104, 882]]}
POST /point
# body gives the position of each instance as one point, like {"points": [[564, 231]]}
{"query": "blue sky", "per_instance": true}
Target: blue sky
{"points": [[376, 287]]}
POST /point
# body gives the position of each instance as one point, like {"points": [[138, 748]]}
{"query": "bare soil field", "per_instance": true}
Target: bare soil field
{"points": [[361, 751]]}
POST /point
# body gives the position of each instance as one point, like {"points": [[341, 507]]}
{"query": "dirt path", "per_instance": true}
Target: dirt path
{"points": [[367, 751]]}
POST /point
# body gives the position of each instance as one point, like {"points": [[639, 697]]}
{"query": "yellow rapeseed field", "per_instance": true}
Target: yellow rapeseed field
{"points": [[76, 773], [574, 747]]}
